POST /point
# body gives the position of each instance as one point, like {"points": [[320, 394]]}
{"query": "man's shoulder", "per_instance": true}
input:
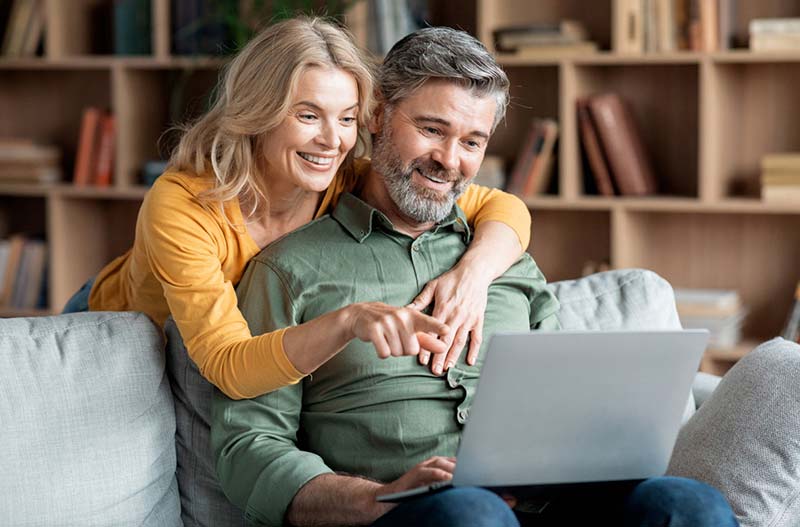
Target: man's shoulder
{"points": [[307, 243]]}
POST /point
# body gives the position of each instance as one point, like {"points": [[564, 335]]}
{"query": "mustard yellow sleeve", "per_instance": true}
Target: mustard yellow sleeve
{"points": [[185, 245], [490, 204]]}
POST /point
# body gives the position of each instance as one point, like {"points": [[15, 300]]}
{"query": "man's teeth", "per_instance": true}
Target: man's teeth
{"points": [[316, 160], [435, 180]]}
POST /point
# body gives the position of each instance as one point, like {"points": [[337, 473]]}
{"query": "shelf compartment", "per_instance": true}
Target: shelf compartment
{"points": [[750, 109], [87, 232], [150, 101], [33, 109], [595, 15], [534, 93], [663, 99], [555, 235], [756, 254]]}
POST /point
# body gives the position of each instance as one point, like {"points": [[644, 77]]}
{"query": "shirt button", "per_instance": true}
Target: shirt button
{"points": [[452, 383], [462, 415], [415, 248]]}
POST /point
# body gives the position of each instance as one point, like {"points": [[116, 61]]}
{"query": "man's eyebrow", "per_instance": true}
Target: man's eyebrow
{"points": [[444, 122], [316, 107]]}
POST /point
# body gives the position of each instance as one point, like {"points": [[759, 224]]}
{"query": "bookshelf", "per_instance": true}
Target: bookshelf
{"points": [[707, 118], [706, 121]]}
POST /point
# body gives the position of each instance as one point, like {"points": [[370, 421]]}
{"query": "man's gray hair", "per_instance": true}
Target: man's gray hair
{"points": [[442, 53]]}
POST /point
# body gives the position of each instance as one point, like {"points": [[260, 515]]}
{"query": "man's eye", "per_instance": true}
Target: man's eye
{"points": [[431, 130], [473, 144]]}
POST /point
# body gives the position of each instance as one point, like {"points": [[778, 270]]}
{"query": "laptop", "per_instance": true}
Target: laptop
{"points": [[572, 408]]}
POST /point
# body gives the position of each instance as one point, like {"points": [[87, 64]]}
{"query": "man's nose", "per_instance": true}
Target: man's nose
{"points": [[447, 155]]}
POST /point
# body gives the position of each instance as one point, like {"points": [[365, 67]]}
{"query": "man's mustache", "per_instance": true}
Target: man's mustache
{"points": [[431, 168]]}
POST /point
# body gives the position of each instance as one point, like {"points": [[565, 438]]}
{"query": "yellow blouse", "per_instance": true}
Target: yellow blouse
{"points": [[187, 259]]}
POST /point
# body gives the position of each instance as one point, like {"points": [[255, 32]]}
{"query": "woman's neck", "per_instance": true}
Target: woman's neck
{"points": [[286, 210]]}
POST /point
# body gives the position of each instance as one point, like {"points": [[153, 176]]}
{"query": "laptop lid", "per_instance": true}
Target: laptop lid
{"points": [[577, 407]]}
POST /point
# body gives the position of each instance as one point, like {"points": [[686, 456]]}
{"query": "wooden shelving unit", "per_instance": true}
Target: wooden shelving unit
{"points": [[707, 118]]}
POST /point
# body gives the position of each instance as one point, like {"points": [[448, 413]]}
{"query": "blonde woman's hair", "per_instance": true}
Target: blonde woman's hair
{"points": [[253, 97]]}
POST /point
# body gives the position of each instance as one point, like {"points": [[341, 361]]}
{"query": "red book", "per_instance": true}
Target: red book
{"points": [[594, 153], [532, 143], [86, 158], [105, 152], [622, 144]]}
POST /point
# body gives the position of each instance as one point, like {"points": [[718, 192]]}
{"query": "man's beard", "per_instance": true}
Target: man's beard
{"points": [[418, 203]]}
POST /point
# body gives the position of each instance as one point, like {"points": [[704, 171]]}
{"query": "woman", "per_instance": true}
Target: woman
{"points": [[274, 152]]}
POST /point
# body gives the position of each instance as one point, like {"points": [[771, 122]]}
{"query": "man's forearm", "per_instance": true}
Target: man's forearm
{"points": [[333, 499], [493, 250]]}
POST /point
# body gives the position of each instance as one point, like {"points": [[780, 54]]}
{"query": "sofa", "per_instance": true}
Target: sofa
{"points": [[105, 422]]}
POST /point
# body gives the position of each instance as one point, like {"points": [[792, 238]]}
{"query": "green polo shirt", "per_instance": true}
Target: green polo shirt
{"points": [[357, 413]]}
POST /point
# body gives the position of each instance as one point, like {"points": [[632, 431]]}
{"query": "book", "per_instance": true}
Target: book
{"points": [[709, 25], [594, 153], [34, 30], [760, 26], [707, 303], [628, 26], [30, 275], [555, 51], [779, 179], [19, 19], [666, 27], [727, 24], [105, 152], [540, 170], [16, 244], [622, 144], [508, 39], [781, 194], [533, 143], [780, 162], [791, 331], [86, 158], [25, 162], [767, 42], [132, 27]]}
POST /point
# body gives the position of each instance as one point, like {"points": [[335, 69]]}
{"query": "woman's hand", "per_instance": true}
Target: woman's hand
{"points": [[396, 331], [459, 300]]}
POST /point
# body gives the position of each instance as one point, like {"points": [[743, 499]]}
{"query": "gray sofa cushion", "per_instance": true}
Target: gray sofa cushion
{"points": [[745, 439], [203, 502], [87, 422], [627, 299]]}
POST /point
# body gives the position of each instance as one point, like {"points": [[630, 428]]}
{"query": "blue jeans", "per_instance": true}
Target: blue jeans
{"points": [[79, 302], [657, 502]]}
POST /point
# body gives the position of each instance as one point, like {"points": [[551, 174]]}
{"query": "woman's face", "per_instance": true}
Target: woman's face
{"points": [[307, 148]]}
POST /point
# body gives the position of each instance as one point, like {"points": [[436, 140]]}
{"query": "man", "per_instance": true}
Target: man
{"points": [[310, 454]]}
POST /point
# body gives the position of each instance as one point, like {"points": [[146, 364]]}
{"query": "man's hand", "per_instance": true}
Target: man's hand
{"points": [[396, 331], [459, 300], [432, 470]]}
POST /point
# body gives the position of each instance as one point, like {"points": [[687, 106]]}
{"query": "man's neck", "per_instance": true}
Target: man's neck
{"points": [[375, 194]]}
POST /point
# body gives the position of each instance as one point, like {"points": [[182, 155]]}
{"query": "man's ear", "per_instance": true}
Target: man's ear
{"points": [[376, 120]]}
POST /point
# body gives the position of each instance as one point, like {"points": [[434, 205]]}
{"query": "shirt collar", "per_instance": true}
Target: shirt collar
{"points": [[359, 219]]}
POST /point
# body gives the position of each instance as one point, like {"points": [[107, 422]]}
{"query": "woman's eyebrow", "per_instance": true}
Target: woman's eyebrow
{"points": [[317, 107]]}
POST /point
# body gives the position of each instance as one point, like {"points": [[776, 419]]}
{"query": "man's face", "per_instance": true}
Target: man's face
{"points": [[429, 146]]}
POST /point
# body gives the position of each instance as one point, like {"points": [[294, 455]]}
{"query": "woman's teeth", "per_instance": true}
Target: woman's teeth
{"points": [[322, 161]]}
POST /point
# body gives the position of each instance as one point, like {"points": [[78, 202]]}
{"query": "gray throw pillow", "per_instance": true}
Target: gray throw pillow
{"points": [[745, 439], [88, 424], [202, 500]]}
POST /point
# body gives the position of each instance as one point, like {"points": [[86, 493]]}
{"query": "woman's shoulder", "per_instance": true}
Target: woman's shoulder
{"points": [[177, 182]]}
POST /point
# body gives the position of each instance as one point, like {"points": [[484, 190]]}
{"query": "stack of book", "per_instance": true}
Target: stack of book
{"points": [[23, 269], [646, 26], [22, 25], [775, 34], [23, 161], [780, 178], [613, 148], [718, 310], [564, 38], [94, 162], [533, 170]]}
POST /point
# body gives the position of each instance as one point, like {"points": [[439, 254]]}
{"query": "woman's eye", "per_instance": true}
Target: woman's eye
{"points": [[307, 116], [348, 120]]}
